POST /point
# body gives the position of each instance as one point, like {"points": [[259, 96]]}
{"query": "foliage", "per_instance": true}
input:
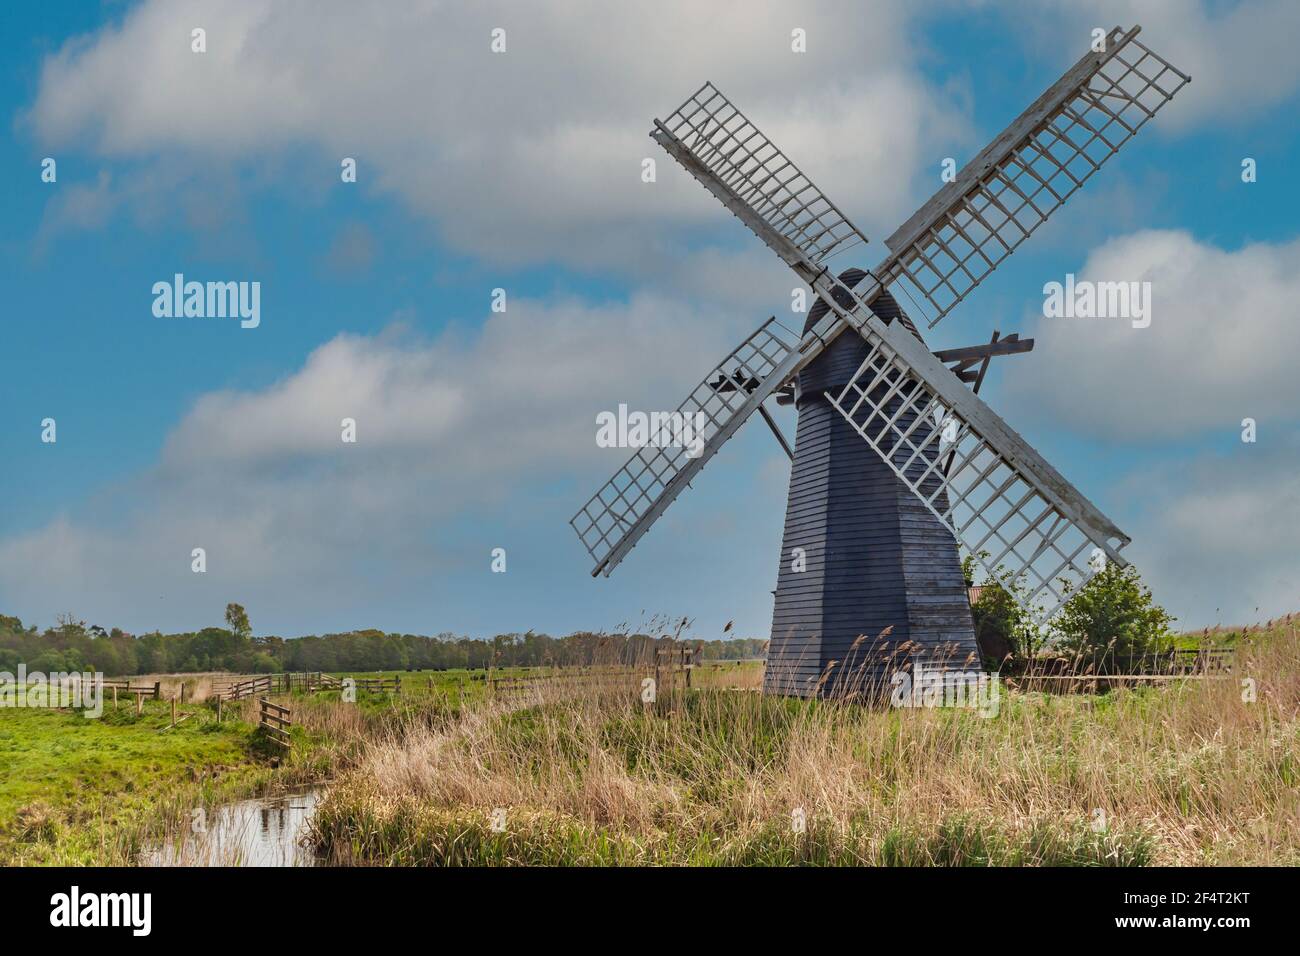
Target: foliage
{"points": [[71, 645], [1112, 618], [999, 615], [237, 620]]}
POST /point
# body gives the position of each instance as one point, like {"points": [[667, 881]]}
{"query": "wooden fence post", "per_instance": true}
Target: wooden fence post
{"points": [[115, 697], [139, 703], [218, 708], [173, 711], [658, 684]]}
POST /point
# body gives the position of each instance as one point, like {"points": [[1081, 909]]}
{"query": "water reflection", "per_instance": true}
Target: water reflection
{"points": [[265, 831]]}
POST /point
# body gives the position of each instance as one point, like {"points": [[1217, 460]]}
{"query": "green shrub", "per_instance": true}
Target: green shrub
{"points": [[1112, 619], [1000, 619]]}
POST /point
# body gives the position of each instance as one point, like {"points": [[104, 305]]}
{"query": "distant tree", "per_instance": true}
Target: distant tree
{"points": [[52, 662], [1112, 618], [69, 627], [237, 621]]}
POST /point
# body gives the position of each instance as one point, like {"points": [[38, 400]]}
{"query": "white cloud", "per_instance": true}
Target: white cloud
{"points": [[524, 156], [1217, 537], [77, 206], [1221, 345], [455, 438], [1241, 56], [535, 156]]}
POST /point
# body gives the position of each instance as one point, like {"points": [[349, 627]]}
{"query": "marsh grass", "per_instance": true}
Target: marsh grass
{"points": [[587, 774], [1187, 773]]}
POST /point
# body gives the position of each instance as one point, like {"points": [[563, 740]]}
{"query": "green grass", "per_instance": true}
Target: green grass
{"points": [[414, 834], [1186, 773], [711, 746], [471, 685], [1182, 773], [80, 791], [91, 791]]}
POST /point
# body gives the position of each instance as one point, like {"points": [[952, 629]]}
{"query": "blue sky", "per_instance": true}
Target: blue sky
{"points": [[521, 171]]}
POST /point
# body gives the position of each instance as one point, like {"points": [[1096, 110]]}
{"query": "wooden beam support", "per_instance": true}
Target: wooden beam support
{"points": [[979, 379], [776, 430], [1011, 345]]}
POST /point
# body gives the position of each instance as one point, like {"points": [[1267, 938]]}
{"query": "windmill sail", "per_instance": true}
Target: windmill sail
{"points": [[616, 516], [728, 154], [954, 241], [1001, 499], [1025, 523]]}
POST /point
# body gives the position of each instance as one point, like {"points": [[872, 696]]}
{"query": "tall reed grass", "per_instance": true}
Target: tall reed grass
{"points": [[1185, 773]]}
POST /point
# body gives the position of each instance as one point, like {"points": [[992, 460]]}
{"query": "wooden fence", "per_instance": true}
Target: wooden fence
{"points": [[1203, 660], [275, 721], [251, 687], [615, 676], [153, 690], [672, 661], [379, 685], [1060, 676], [309, 682], [671, 668]]}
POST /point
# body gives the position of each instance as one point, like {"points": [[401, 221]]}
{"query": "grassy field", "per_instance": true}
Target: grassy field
{"points": [[1183, 773], [77, 791], [471, 686]]}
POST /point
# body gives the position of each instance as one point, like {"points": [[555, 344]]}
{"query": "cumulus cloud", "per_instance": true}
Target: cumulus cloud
{"points": [[534, 154], [1221, 345], [467, 432], [1217, 537], [1241, 56], [76, 207]]}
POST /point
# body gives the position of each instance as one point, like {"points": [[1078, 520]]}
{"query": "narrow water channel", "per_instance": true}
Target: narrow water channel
{"points": [[263, 831]]}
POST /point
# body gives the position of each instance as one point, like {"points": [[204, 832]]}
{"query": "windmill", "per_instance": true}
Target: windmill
{"points": [[897, 461]]}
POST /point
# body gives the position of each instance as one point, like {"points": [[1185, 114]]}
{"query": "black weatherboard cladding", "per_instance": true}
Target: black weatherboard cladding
{"points": [[876, 558]]}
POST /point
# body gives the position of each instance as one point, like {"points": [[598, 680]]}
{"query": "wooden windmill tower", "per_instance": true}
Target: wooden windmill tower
{"points": [[897, 461]]}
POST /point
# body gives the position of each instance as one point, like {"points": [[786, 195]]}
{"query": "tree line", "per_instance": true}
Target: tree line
{"points": [[1108, 621], [71, 645]]}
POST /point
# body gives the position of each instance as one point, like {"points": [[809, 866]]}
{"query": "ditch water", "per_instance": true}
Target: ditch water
{"points": [[263, 831]]}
